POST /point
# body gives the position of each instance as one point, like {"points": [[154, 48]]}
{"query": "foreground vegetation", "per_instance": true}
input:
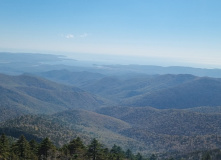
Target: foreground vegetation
{"points": [[23, 149]]}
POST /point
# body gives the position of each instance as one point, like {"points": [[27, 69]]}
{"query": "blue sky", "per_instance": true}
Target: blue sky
{"points": [[161, 32]]}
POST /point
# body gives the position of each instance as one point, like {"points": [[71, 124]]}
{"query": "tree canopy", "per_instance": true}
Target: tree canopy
{"points": [[22, 149]]}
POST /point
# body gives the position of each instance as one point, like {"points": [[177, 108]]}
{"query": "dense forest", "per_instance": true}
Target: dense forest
{"points": [[22, 149]]}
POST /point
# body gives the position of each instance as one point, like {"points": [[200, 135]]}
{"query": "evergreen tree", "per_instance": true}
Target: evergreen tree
{"points": [[33, 146], [4, 147], [105, 153], [64, 151], [34, 149], [46, 149], [129, 155], [95, 150], [76, 148], [139, 156], [117, 152], [22, 149]]}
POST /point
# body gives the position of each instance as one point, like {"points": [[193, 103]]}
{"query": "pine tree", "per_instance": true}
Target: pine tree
{"points": [[46, 149], [34, 149], [105, 153], [4, 147], [117, 152], [76, 148], [33, 146], [64, 151], [22, 149], [129, 155], [95, 150]]}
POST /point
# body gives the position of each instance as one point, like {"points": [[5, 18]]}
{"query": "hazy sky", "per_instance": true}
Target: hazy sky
{"points": [[174, 31]]}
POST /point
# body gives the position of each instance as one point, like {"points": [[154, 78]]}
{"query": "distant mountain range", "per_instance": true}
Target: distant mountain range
{"points": [[198, 92], [148, 109], [18, 63], [160, 91]]}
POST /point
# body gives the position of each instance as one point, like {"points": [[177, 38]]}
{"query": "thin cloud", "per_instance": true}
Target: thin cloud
{"points": [[68, 36], [84, 35]]}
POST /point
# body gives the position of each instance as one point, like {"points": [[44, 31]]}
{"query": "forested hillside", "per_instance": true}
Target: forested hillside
{"points": [[203, 91], [63, 126], [27, 94], [169, 130], [145, 130], [139, 90]]}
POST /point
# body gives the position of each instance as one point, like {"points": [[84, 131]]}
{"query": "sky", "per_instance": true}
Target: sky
{"points": [[159, 32]]}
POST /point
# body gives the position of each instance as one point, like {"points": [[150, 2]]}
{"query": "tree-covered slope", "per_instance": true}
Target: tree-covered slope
{"points": [[27, 94], [91, 119], [159, 91], [103, 127], [72, 78], [36, 126], [169, 130], [143, 129], [202, 91], [169, 121], [64, 126], [122, 88]]}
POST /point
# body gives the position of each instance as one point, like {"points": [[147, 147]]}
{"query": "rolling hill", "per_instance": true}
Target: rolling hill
{"points": [[64, 126], [38, 127], [144, 129], [138, 90], [170, 121], [159, 91], [27, 94], [169, 130], [72, 78], [203, 91], [118, 87], [103, 127], [184, 115]]}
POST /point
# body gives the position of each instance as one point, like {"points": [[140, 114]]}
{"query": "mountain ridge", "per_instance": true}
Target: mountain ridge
{"points": [[202, 91], [29, 94]]}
